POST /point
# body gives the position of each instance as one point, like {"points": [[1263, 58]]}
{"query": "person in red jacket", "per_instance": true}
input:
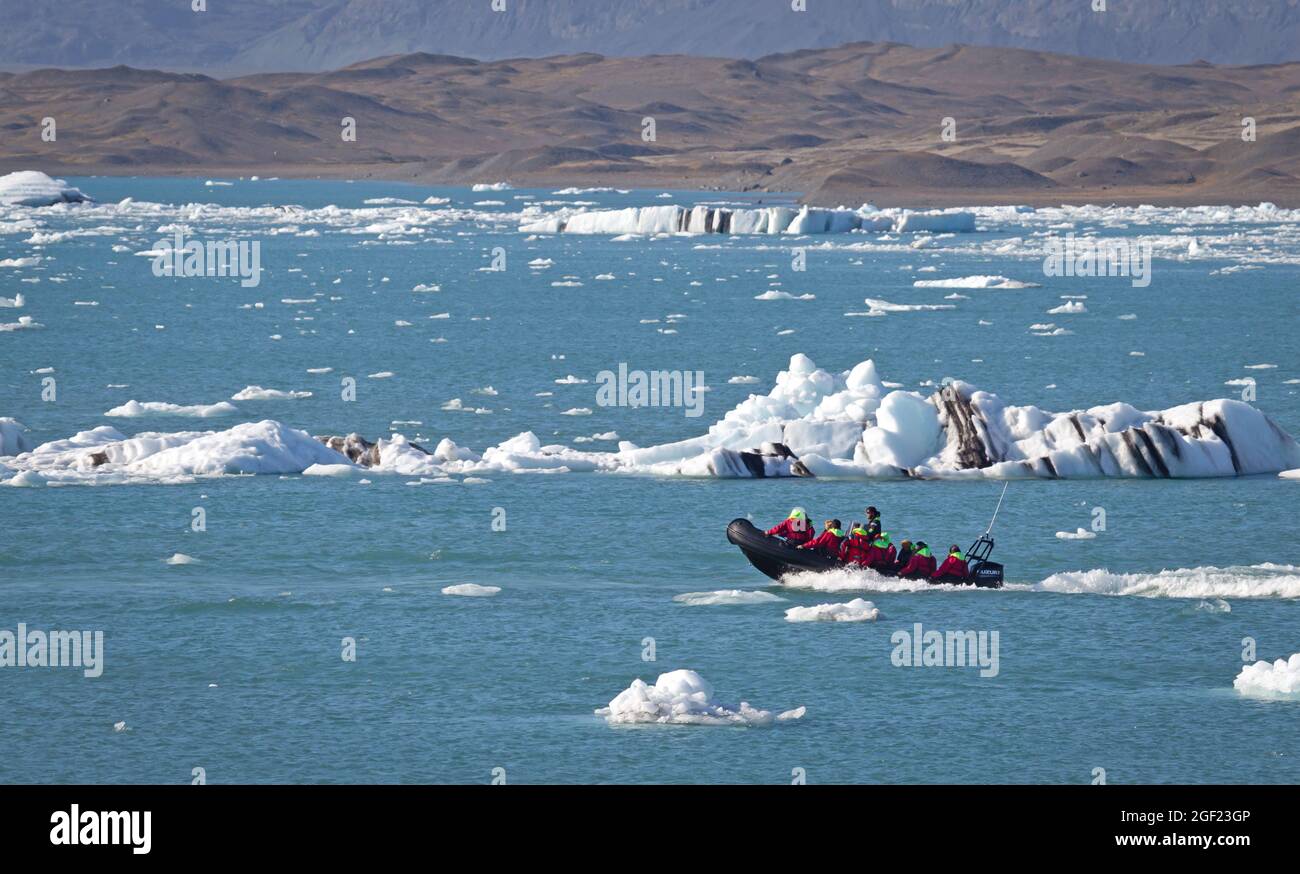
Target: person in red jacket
{"points": [[953, 569], [795, 529], [921, 565], [828, 543], [856, 547], [884, 553]]}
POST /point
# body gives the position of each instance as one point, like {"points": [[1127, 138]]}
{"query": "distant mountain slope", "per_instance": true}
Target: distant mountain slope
{"points": [[269, 35], [858, 122]]}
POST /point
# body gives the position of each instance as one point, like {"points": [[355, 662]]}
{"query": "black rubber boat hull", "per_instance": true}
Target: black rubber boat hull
{"points": [[775, 558]]}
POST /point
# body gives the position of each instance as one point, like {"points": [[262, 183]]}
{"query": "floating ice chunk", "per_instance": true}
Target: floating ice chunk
{"points": [[1070, 307], [856, 610], [23, 323], [135, 409], [1265, 679], [1079, 534], [783, 295], [181, 558], [493, 186], [683, 697], [998, 282], [334, 470], [472, 590], [33, 188], [257, 393], [728, 597], [883, 306]]}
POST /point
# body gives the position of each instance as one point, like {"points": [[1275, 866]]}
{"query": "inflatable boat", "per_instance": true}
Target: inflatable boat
{"points": [[776, 558]]}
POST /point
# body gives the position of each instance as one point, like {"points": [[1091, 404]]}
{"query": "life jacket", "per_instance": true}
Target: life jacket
{"points": [[856, 547]]}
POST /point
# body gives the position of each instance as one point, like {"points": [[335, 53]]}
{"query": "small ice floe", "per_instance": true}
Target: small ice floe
{"points": [[136, 409], [1070, 307], [334, 470], [23, 323], [783, 295], [1270, 679], [857, 610], [383, 374], [257, 393], [881, 307], [181, 558], [577, 411], [18, 301], [429, 288], [119, 726], [1217, 605], [998, 282], [726, 597], [472, 590], [683, 697], [1078, 534], [743, 380]]}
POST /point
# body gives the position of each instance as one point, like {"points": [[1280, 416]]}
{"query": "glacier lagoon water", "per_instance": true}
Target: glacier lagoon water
{"points": [[232, 664]]}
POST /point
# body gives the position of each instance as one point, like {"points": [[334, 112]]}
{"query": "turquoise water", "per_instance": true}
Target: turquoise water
{"points": [[446, 689]]}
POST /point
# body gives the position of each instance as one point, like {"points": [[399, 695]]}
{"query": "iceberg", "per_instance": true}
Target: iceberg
{"points": [[857, 610], [812, 423], [771, 220], [1276, 679], [33, 188], [684, 698]]}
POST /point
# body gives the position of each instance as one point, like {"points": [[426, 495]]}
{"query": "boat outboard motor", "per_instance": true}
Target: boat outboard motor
{"points": [[984, 573]]}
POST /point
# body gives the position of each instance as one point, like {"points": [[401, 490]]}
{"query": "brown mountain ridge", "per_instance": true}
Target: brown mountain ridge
{"points": [[859, 122]]}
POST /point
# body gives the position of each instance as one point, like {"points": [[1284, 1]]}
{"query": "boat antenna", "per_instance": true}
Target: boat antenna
{"points": [[998, 508]]}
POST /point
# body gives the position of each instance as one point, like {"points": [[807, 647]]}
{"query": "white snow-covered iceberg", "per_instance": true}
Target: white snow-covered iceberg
{"points": [[34, 188], [684, 698], [671, 219], [813, 422], [1270, 679]]}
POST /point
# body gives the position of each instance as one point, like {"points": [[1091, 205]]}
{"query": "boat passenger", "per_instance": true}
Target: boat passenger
{"points": [[883, 553], [828, 542], [873, 522], [921, 565], [795, 529], [856, 547], [905, 551], [953, 568]]}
